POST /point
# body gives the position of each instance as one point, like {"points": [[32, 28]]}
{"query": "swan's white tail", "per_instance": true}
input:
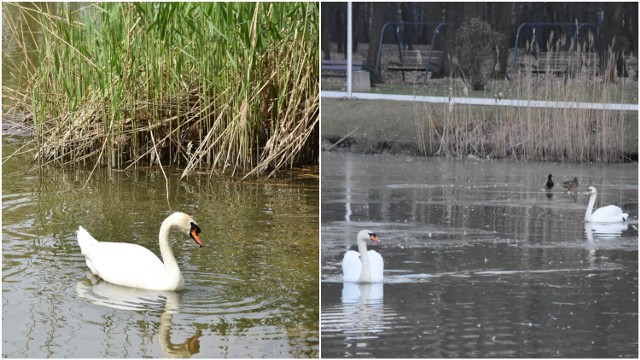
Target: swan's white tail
{"points": [[85, 240]]}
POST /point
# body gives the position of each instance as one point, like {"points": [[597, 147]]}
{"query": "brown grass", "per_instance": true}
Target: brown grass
{"points": [[530, 133]]}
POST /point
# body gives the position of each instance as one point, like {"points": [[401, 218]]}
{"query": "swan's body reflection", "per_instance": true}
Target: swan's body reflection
{"points": [[595, 231], [362, 310], [601, 232], [103, 293], [362, 293]]}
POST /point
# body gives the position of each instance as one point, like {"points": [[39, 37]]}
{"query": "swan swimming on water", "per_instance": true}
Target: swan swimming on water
{"points": [[135, 266], [363, 266], [607, 214]]}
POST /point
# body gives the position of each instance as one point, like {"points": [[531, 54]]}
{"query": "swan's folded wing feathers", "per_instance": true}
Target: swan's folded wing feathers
{"points": [[377, 266], [129, 257], [609, 213], [351, 266]]}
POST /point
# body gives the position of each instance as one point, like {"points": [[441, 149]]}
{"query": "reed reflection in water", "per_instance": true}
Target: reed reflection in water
{"points": [[480, 260], [251, 291]]}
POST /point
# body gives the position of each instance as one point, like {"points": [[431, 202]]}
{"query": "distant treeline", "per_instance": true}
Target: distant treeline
{"points": [[612, 20]]}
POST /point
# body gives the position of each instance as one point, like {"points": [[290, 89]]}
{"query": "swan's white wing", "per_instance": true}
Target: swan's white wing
{"points": [[377, 266], [610, 213], [125, 264], [351, 266]]}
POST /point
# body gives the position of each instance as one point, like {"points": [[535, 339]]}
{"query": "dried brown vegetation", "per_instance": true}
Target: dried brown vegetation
{"points": [[229, 86]]}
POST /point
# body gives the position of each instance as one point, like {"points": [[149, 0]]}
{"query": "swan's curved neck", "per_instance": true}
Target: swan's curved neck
{"points": [[365, 275], [592, 202], [165, 247]]}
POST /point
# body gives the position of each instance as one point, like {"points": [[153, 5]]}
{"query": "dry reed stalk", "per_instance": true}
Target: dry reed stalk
{"points": [[198, 90], [531, 133]]}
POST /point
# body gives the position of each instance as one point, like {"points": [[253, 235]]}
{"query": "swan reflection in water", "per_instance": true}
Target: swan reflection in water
{"points": [[362, 293], [599, 234], [362, 317], [103, 293]]}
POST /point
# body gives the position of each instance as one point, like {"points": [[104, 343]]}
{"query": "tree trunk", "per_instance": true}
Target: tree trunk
{"points": [[377, 22], [502, 24], [340, 9], [325, 35], [613, 28], [408, 16]]}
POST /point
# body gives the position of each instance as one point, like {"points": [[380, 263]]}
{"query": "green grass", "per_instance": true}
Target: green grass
{"points": [[625, 92], [231, 86]]}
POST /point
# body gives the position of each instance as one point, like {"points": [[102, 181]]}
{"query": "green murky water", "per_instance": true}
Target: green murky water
{"points": [[479, 260], [251, 291]]}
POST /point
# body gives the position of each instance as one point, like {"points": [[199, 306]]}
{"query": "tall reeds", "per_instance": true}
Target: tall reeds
{"points": [[232, 86], [529, 133]]}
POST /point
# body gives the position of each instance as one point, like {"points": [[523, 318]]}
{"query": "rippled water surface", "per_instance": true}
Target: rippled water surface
{"points": [[251, 291], [480, 261]]}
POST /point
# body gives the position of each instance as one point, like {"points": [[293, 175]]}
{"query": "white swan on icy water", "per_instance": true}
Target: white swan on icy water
{"points": [[363, 266], [135, 266], [607, 214]]}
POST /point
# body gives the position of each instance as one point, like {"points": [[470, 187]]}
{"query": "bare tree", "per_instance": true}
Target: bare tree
{"points": [[377, 22]]}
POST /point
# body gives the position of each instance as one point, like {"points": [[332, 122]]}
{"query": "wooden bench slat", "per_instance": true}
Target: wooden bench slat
{"points": [[341, 62], [553, 62], [338, 68], [416, 60]]}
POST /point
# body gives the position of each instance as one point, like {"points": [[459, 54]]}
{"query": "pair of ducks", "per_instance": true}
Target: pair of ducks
{"points": [[567, 184], [366, 266], [607, 214]]}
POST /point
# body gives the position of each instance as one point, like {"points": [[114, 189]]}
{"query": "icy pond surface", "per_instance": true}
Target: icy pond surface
{"points": [[480, 261]]}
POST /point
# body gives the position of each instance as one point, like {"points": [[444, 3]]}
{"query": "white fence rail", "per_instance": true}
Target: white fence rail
{"points": [[481, 101]]}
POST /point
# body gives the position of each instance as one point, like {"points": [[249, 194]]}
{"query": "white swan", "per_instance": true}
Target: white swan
{"points": [[607, 214], [363, 266], [135, 266]]}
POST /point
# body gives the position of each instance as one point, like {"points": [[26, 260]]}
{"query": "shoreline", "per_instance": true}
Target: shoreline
{"points": [[379, 126]]}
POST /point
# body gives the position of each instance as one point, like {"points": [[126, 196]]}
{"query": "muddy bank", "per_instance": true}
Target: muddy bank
{"points": [[368, 126], [391, 126]]}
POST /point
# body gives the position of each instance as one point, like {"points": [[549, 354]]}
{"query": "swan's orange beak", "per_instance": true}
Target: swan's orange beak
{"points": [[194, 232], [194, 236], [374, 238]]}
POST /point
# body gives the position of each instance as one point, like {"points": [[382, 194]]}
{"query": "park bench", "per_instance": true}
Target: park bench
{"points": [[338, 68], [416, 60], [556, 62]]}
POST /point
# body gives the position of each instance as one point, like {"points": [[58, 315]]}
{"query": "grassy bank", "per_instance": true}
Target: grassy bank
{"points": [[525, 133], [232, 86], [499, 132]]}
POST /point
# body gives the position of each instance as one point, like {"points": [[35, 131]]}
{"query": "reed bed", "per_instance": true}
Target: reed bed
{"points": [[535, 133], [230, 86]]}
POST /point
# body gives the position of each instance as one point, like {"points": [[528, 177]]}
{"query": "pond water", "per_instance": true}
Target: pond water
{"points": [[480, 261], [251, 291]]}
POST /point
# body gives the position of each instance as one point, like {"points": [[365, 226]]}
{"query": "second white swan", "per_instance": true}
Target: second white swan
{"points": [[363, 266], [135, 266], [607, 214]]}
